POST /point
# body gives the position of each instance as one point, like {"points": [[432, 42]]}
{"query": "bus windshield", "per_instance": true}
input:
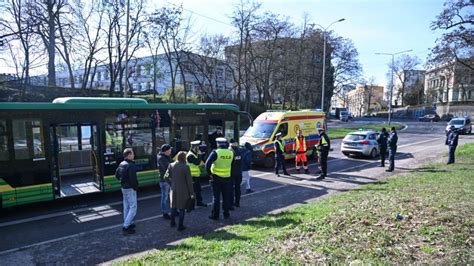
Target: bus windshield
{"points": [[260, 130]]}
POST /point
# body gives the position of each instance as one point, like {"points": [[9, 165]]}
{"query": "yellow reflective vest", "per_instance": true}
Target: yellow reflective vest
{"points": [[195, 171], [298, 145], [223, 164]]}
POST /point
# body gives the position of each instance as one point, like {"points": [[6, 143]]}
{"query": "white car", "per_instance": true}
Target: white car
{"points": [[462, 124], [362, 142]]}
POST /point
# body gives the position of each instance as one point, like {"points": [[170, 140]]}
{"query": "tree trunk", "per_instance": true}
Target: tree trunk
{"points": [[51, 44]]}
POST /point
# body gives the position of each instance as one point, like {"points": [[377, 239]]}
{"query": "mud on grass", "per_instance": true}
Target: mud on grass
{"points": [[423, 217]]}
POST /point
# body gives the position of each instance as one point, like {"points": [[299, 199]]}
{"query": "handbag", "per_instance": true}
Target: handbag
{"points": [[190, 203]]}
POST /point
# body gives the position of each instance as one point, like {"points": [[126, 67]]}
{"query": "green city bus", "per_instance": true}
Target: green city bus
{"points": [[72, 146]]}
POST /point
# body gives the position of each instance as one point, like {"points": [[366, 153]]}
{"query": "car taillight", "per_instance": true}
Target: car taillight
{"points": [[364, 142]]}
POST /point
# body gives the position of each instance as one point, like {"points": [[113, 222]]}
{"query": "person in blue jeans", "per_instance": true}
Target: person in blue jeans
{"points": [[164, 160], [127, 175]]}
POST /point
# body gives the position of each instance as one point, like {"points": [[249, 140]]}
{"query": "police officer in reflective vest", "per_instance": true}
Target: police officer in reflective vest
{"points": [[194, 158], [279, 155], [323, 147], [299, 147], [219, 164]]}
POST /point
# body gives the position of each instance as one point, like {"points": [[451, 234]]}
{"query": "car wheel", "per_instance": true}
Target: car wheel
{"points": [[373, 153], [346, 153], [269, 161]]}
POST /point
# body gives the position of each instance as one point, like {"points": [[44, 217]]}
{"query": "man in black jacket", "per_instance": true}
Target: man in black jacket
{"points": [[127, 175], [382, 141], [452, 142], [164, 160], [236, 174], [392, 149]]}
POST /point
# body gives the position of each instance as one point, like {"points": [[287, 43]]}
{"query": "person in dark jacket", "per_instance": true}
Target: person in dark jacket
{"points": [[215, 135], [452, 142], [179, 176], [382, 141], [127, 175], [323, 147], [392, 148], [247, 154], [194, 158], [164, 160], [236, 174], [279, 155]]}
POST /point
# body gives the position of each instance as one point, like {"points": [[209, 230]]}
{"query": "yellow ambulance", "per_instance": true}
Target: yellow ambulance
{"points": [[262, 133]]}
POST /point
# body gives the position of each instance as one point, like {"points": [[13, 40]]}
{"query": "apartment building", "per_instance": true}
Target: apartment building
{"points": [[365, 99]]}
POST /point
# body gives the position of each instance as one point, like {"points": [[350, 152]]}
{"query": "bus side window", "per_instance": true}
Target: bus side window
{"points": [[4, 155], [28, 139]]}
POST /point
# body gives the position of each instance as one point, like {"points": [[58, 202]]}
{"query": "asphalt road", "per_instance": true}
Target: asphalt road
{"points": [[88, 229]]}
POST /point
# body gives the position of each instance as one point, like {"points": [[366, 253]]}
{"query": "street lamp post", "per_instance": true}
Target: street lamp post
{"points": [[391, 83], [324, 60], [126, 50]]}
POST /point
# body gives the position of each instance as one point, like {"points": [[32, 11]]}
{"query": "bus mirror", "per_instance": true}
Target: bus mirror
{"points": [[248, 115]]}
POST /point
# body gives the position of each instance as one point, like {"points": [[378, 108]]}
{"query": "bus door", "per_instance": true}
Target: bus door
{"points": [[188, 127], [75, 160]]}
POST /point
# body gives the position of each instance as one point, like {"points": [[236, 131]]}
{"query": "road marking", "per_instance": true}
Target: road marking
{"points": [[119, 225], [75, 212]]}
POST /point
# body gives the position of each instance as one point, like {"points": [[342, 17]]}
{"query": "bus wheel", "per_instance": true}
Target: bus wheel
{"points": [[269, 161]]}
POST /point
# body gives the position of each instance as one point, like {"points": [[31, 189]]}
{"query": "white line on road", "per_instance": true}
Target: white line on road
{"points": [[117, 225]]}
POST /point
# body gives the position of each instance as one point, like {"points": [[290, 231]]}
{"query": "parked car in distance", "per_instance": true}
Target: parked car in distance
{"points": [[362, 142], [344, 116], [462, 124], [429, 118]]}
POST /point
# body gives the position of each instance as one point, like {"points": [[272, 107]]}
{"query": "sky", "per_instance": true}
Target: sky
{"points": [[387, 26]]}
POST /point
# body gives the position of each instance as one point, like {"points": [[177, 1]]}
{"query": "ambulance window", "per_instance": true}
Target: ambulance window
{"points": [[283, 128]]}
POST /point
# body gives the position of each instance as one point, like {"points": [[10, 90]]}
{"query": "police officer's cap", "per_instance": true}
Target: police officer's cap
{"points": [[195, 143], [452, 127], [221, 140]]}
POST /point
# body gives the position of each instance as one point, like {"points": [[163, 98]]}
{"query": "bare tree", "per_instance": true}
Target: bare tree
{"points": [[173, 34], [46, 13], [244, 19], [347, 68], [90, 18], [210, 69], [457, 23], [18, 25], [404, 69], [115, 17]]}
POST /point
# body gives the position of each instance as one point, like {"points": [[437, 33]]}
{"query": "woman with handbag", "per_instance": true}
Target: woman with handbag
{"points": [[181, 193]]}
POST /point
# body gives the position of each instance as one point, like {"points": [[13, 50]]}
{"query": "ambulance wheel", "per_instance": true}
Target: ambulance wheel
{"points": [[269, 161]]}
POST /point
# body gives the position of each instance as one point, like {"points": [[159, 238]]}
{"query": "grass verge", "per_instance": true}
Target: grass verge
{"points": [[422, 217], [341, 132]]}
